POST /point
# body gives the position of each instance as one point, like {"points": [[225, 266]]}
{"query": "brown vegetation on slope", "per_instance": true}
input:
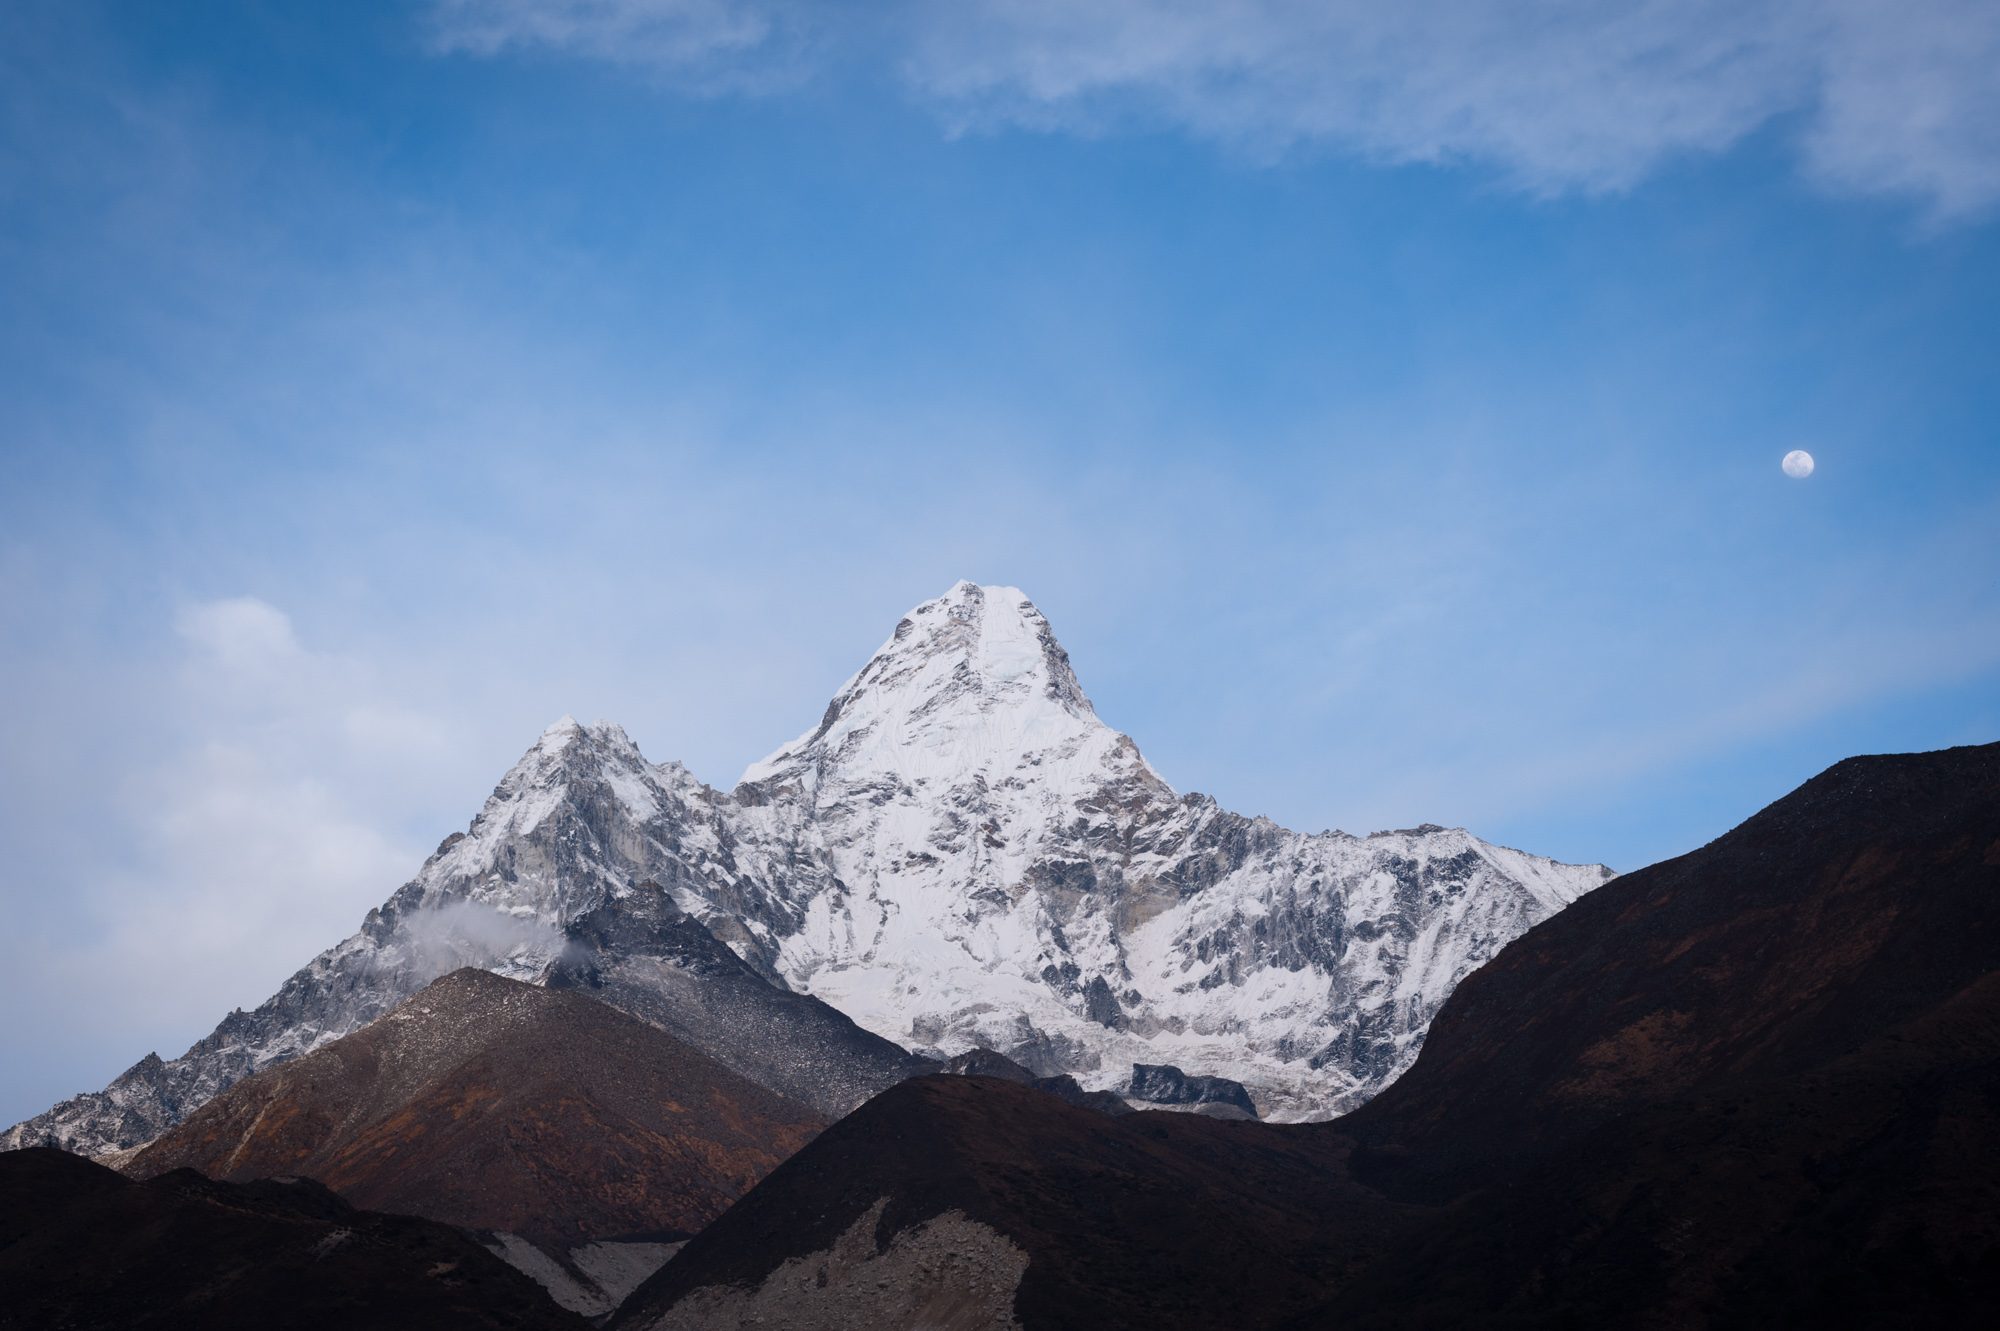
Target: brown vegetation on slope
{"points": [[498, 1105]]}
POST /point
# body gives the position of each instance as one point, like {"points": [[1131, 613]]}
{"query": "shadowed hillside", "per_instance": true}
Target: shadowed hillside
{"points": [[86, 1249]]}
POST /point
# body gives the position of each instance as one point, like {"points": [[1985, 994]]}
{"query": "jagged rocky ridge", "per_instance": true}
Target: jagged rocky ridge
{"points": [[960, 854]]}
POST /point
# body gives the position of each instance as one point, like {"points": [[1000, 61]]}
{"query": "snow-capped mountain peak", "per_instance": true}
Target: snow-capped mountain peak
{"points": [[993, 865], [957, 758], [568, 735], [960, 854], [969, 682]]}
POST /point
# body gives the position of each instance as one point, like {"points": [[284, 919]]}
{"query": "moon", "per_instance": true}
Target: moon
{"points": [[1798, 464]]}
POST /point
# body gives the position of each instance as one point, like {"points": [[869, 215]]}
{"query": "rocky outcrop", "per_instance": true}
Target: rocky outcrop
{"points": [[949, 1273], [1166, 1085], [986, 1063], [646, 956]]}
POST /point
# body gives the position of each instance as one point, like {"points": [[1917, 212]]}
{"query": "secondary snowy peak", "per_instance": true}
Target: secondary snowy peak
{"points": [[565, 768], [580, 820]]}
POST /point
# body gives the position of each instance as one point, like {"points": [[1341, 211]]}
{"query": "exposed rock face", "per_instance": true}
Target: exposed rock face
{"points": [[960, 854], [87, 1249], [986, 1063], [147, 1099], [592, 1279], [1167, 1085], [496, 1105], [949, 1273], [646, 956]]}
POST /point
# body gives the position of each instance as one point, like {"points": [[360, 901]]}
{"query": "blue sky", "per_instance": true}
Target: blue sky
{"points": [[1386, 413]]}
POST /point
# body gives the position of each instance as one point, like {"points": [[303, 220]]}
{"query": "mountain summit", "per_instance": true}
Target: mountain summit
{"points": [[972, 679], [998, 867], [960, 854]]}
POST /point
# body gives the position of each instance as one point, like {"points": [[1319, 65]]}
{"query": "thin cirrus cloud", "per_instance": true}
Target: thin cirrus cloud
{"points": [[226, 848], [1557, 96], [704, 46]]}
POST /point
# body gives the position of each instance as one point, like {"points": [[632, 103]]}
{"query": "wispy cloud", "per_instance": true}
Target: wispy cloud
{"points": [[1556, 96], [705, 45], [247, 836], [1909, 103], [241, 635]]}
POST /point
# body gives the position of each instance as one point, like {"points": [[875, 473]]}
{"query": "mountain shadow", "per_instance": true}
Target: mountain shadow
{"points": [[87, 1249]]}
